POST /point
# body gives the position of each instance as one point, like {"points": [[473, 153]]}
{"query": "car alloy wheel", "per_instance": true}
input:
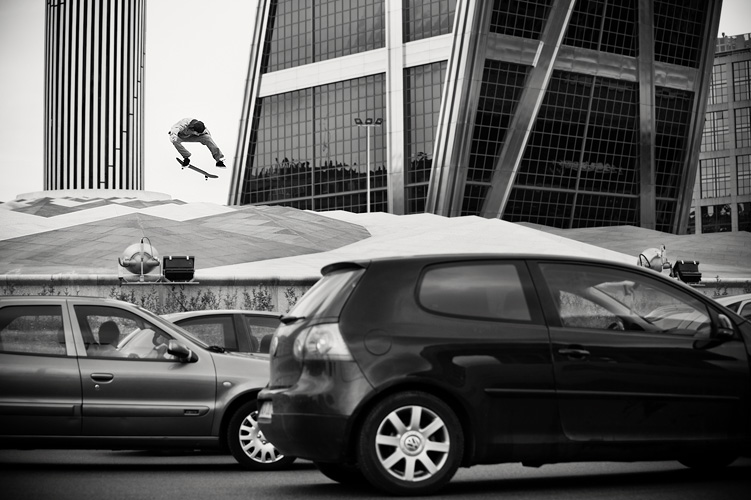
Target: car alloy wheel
{"points": [[411, 444], [248, 444]]}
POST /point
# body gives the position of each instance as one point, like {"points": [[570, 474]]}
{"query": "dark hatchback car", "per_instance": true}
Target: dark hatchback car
{"points": [[235, 330], [87, 372], [408, 368]]}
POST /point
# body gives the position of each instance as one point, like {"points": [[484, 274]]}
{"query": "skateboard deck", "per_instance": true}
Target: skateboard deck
{"points": [[206, 175]]}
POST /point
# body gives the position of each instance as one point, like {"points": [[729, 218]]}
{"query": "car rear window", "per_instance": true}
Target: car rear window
{"points": [[476, 289], [327, 297]]}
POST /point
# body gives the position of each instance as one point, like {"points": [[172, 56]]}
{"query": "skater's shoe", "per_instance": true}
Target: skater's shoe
{"points": [[220, 164], [185, 162]]}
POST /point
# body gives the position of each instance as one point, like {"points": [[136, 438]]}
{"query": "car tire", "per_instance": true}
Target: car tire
{"points": [[348, 475], [411, 443], [247, 443]]}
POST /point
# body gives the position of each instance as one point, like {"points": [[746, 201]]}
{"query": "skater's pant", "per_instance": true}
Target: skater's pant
{"points": [[204, 139]]}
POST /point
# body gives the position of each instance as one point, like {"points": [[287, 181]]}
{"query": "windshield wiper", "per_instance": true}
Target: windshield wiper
{"points": [[216, 348]]}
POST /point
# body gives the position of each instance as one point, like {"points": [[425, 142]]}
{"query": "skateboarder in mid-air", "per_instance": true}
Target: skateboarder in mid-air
{"points": [[192, 130]]}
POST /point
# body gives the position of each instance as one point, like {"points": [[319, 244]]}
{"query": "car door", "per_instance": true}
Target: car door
{"points": [[40, 382], [635, 357], [499, 350], [138, 389]]}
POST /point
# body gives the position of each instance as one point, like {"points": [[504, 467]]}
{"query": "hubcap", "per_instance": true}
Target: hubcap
{"points": [[254, 444], [412, 443]]}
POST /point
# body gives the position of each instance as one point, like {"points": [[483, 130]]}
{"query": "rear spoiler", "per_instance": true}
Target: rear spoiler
{"points": [[338, 266]]}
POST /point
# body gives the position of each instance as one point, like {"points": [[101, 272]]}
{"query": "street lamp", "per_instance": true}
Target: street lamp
{"points": [[368, 123]]}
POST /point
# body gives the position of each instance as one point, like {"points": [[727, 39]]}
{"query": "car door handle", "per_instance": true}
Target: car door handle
{"points": [[102, 377], [574, 353]]}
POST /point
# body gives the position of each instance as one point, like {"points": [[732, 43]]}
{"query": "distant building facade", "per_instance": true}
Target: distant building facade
{"points": [[722, 193], [567, 113], [94, 80]]}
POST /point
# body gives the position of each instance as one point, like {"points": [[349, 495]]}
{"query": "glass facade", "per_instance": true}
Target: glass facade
{"points": [[524, 19], [604, 25], [673, 110], [742, 80], [574, 155], [583, 154], [715, 177], [423, 86], [427, 18], [308, 153], [502, 85], [306, 32], [679, 30]]}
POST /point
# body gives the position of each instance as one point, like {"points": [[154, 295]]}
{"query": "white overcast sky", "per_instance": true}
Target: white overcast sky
{"points": [[196, 65]]}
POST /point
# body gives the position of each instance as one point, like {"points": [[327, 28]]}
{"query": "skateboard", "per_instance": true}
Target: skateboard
{"points": [[206, 175]]}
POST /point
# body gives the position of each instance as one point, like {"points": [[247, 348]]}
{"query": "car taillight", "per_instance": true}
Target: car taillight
{"points": [[321, 342]]}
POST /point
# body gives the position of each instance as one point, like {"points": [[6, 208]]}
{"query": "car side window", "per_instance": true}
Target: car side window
{"points": [[261, 330], [214, 331], [578, 311], [111, 332], [603, 298], [32, 330], [488, 290]]}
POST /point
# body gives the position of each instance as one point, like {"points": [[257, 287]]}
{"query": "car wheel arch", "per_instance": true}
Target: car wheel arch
{"points": [[452, 400], [230, 409]]}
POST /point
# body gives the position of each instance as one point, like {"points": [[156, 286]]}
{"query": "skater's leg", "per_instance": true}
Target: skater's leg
{"points": [[177, 142], [207, 141]]}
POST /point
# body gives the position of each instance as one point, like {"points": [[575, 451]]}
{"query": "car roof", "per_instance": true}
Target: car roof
{"points": [[452, 257], [212, 312]]}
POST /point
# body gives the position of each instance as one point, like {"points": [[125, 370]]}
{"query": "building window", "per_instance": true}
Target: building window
{"points": [[718, 88], [715, 134], [742, 127], [679, 31], [522, 18], [427, 18], [744, 216], [305, 32], [604, 25], [306, 151], [743, 167], [742, 80], [714, 177], [715, 219], [423, 86]]}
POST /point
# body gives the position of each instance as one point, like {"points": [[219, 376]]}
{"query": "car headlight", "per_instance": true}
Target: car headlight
{"points": [[321, 342]]}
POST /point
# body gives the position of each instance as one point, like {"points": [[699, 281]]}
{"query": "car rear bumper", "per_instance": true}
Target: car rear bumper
{"points": [[313, 419], [320, 438]]}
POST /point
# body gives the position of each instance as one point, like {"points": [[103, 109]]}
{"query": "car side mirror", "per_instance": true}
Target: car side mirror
{"points": [[181, 352], [725, 330]]}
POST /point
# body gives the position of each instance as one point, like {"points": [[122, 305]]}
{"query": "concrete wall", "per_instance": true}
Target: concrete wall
{"points": [[163, 297]]}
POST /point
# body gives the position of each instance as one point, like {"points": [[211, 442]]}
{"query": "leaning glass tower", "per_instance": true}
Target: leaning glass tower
{"points": [[566, 113]]}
